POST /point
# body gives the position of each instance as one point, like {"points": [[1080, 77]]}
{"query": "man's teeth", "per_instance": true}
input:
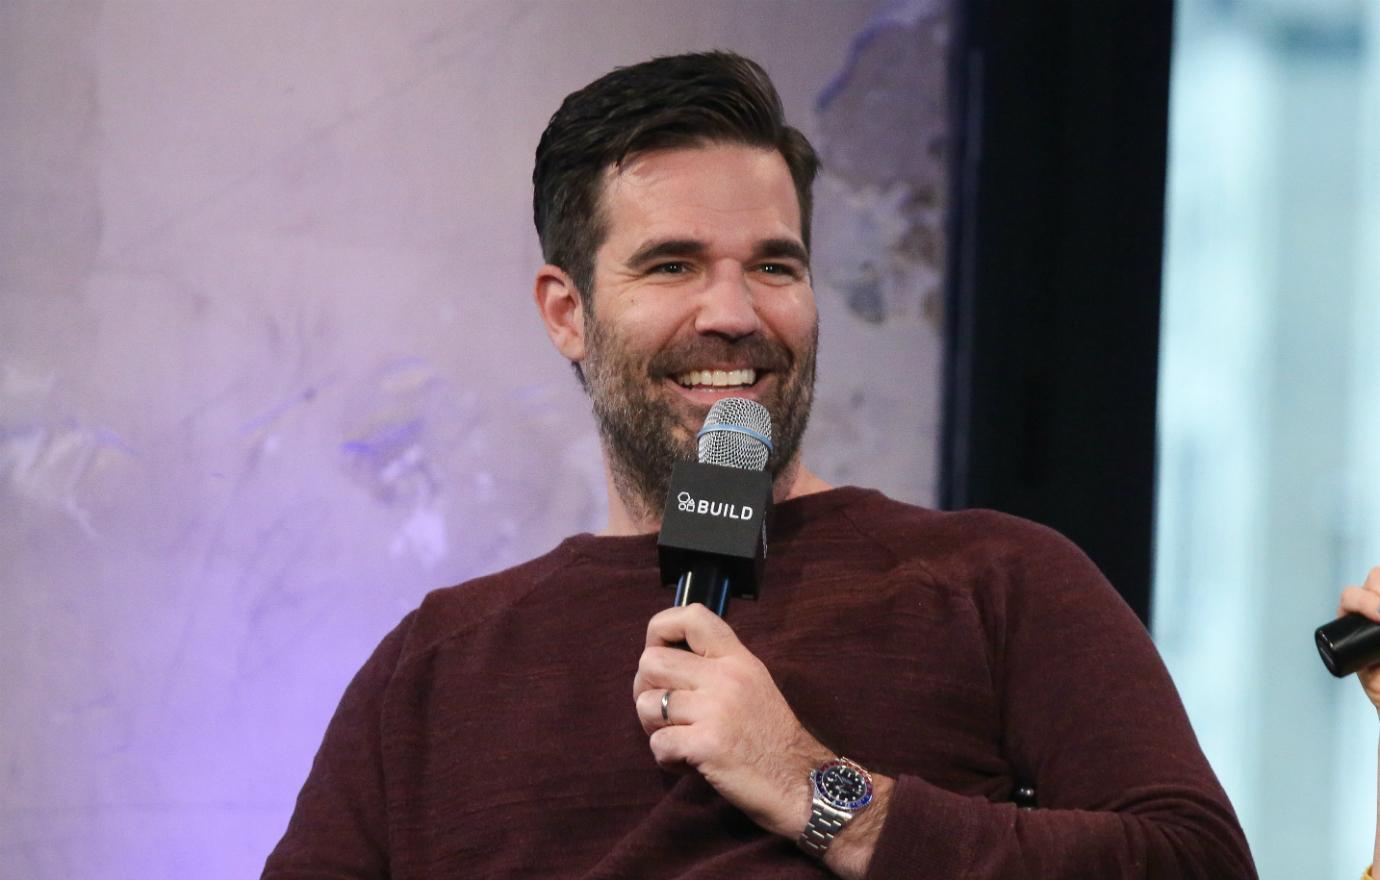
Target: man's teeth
{"points": [[717, 378]]}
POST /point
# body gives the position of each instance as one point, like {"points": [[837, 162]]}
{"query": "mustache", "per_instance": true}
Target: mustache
{"points": [[753, 351]]}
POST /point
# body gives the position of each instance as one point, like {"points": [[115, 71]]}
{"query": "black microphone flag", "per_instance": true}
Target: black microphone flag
{"points": [[713, 528]]}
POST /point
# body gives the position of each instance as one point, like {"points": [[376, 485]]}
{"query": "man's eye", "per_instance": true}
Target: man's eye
{"points": [[782, 269], [670, 269]]}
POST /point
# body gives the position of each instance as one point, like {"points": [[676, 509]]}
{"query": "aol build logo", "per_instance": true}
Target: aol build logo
{"points": [[712, 508]]}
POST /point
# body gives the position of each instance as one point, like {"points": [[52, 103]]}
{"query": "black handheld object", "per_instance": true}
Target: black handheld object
{"points": [[711, 543], [1348, 643], [713, 528]]}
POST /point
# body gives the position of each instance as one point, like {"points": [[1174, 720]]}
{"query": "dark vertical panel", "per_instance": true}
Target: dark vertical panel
{"points": [[1059, 164]]}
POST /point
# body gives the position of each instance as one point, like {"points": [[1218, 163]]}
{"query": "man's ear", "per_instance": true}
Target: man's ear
{"points": [[558, 301]]}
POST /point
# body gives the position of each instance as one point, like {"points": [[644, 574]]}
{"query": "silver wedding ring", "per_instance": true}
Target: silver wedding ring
{"points": [[666, 707]]}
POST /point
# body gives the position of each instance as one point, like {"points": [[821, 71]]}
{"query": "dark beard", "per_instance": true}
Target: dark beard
{"points": [[643, 432]]}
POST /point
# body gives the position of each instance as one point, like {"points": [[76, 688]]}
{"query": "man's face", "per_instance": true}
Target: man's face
{"points": [[701, 291]]}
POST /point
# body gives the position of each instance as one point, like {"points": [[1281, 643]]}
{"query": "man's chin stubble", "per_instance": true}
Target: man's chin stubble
{"points": [[641, 449], [644, 433], [654, 437]]}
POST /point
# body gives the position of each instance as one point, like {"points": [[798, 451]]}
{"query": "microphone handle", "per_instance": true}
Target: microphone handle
{"points": [[1348, 643], [705, 580]]}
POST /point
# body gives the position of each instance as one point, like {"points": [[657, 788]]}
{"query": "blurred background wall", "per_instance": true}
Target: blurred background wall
{"points": [[269, 368]]}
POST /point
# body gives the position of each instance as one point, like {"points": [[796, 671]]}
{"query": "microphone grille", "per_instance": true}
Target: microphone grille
{"points": [[736, 433]]}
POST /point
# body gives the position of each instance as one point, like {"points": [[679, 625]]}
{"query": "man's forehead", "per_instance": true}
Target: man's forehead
{"points": [[655, 194], [669, 164]]}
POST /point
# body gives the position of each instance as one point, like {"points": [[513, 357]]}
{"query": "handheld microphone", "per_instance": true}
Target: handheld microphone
{"points": [[713, 528], [1348, 643]]}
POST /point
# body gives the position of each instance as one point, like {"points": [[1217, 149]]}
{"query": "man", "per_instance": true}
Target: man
{"points": [[955, 659]]}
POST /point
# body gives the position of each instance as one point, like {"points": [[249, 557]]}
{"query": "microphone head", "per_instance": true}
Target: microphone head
{"points": [[736, 433]]}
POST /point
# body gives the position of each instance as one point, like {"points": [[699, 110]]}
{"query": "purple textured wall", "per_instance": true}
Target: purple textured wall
{"points": [[269, 369]]}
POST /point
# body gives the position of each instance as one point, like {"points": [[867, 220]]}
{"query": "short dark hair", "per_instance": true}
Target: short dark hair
{"points": [[673, 101]]}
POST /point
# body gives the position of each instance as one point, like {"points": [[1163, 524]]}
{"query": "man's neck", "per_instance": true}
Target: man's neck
{"points": [[625, 518]]}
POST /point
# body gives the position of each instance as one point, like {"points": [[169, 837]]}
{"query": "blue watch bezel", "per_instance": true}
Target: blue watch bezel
{"points": [[817, 776]]}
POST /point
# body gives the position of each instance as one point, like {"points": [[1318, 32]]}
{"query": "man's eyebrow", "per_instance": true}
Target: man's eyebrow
{"points": [[666, 247], [767, 249], [775, 248]]}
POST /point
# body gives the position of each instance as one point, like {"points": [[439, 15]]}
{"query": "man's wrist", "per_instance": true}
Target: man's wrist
{"points": [[851, 852], [840, 789]]}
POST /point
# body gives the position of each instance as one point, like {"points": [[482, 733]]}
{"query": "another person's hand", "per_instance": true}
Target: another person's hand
{"points": [[728, 720], [1365, 600]]}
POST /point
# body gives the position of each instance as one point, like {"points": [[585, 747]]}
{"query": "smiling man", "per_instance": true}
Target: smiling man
{"points": [[1002, 712], [700, 291]]}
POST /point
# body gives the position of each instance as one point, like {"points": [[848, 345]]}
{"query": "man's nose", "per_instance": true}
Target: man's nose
{"points": [[726, 305]]}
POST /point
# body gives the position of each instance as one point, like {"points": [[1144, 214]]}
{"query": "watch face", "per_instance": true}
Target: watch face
{"points": [[844, 785]]}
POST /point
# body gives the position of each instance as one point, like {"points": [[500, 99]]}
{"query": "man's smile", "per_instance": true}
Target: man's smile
{"points": [[704, 387], [714, 378]]}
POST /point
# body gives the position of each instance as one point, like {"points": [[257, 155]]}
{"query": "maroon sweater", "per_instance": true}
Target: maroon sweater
{"points": [[493, 734]]}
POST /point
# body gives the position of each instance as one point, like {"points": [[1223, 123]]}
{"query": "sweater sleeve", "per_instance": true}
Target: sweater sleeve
{"points": [[1092, 720], [338, 829]]}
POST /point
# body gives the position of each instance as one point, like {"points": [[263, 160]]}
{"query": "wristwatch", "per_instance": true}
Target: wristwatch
{"points": [[841, 789]]}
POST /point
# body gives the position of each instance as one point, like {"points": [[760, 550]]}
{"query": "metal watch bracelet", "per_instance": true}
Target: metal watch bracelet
{"points": [[825, 823], [832, 808]]}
